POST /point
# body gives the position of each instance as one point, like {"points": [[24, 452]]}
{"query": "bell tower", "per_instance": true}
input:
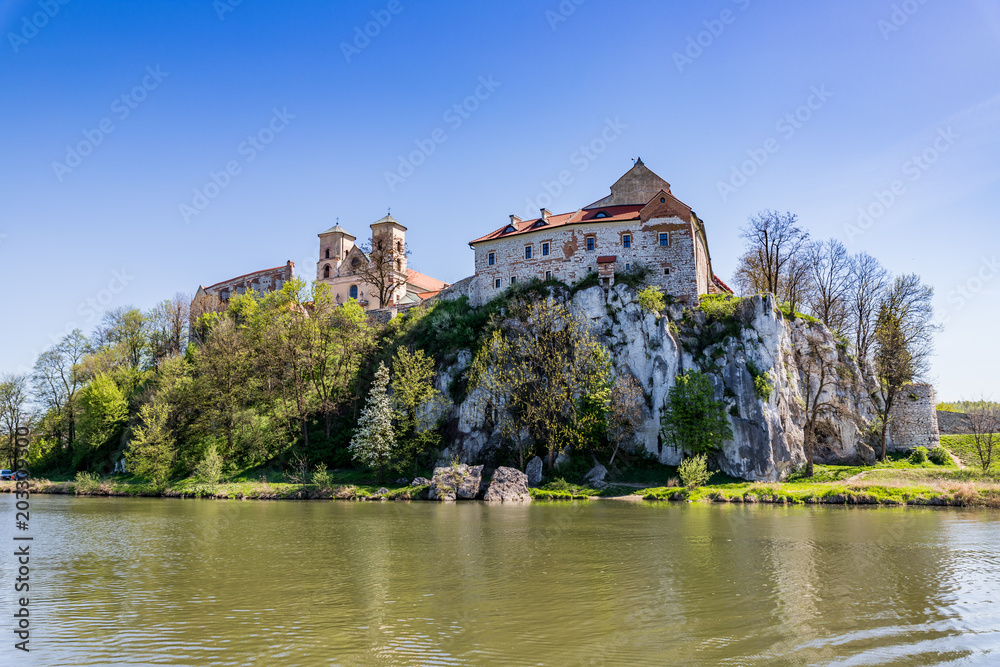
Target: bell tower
{"points": [[334, 244]]}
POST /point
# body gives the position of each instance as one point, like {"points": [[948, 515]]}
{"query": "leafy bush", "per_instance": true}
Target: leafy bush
{"points": [[634, 277], [693, 471], [589, 280], [694, 421], [918, 455], [651, 298], [209, 471], [86, 482], [939, 456], [321, 477], [762, 384], [719, 307]]}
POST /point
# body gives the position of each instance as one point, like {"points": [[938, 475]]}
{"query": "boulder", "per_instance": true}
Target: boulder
{"points": [[456, 482], [596, 475], [534, 471], [866, 454], [402, 481], [563, 457], [508, 485], [420, 481]]}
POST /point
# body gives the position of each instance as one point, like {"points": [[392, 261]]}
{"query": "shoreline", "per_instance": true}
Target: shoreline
{"points": [[777, 493]]}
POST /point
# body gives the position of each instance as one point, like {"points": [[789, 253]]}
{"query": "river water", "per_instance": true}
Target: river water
{"points": [[205, 582]]}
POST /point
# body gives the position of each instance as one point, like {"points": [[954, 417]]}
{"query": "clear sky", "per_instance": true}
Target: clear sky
{"points": [[116, 115]]}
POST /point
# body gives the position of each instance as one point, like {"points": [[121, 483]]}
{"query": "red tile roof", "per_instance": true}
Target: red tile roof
{"points": [[247, 275], [611, 214], [424, 282], [607, 259]]}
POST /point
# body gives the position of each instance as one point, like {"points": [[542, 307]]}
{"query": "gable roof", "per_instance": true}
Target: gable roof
{"points": [[638, 185], [424, 282], [582, 216]]}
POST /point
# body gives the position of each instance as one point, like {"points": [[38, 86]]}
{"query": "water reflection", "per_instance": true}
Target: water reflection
{"points": [[144, 581]]}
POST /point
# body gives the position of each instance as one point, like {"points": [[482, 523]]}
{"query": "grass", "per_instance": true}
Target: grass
{"points": [[964, 447]]}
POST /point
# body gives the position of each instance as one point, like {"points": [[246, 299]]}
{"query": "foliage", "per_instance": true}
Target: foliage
{"points": [[693, 471], [918, 455], [624, 411], [693, 420], [86, 482], [105, 412], [762, 383], [651, 298], [151, 452], [412, 387], [209, 471], [321, 477], [635, 277], [719, 307], [374, 441], [591, 279], [939, 456]]}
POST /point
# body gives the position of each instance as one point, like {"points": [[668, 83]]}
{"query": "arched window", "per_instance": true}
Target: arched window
{"points": [[399, 246], [326, 270], [354, 291], [399, 265], [327, 254]]}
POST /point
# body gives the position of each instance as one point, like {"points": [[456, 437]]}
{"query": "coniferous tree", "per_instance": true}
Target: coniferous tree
{"points": [[374, 441]]}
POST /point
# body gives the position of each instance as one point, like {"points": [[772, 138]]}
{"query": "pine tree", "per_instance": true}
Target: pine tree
{"points": [[374, 440]]}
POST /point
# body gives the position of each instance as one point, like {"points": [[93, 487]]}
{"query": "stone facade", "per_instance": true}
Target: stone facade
{"points": [[914, 421], [640, 223], [340, 257], [216, 296]]}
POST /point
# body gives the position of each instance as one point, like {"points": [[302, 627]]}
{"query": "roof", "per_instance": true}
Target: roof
{"points": [[607, 259], [247, 275], [718, 281], [424, 282], [388, 219], [337, 229], [582, 216]]}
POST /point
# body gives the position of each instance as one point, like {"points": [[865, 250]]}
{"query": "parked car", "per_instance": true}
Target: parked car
{"points": [[6, 474]]}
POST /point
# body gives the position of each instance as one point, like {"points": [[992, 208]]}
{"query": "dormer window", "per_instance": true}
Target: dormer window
{"points": [[663, 200], [601, 214], [508, 229], [541, 223]]}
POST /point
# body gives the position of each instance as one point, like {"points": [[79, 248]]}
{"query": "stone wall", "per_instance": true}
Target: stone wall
{"points": [[954, 423], [914, 421]]}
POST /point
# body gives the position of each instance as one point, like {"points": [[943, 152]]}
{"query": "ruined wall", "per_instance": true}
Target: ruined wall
{"points": [[914, 420]]}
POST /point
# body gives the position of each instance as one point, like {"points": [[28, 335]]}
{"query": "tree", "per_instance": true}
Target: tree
{"points": [[903, 343], [774, 260], [693, 420], [104, 413], [151, 452], [625, 411], [126, 329], [866, 287], [984, 422], [830, 268], [225, 383], [412, 387], [14, 412], [383, 271], [169, 326], [536, 372], [817, 365], [374, 441], [57, 378]]}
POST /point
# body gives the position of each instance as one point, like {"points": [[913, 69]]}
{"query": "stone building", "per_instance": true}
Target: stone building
{"points": [[340, 260], [216, 296], [639, 223], [914, 421]]}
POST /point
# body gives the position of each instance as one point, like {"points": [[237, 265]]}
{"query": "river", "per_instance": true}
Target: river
{"points": [[119, 581]]}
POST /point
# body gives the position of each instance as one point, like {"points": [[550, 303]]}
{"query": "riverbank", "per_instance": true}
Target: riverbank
{"points": [[888, 484]]}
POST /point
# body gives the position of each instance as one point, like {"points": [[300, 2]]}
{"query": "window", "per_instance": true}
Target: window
{"points": [[545, 250], [626, 240], [591, 243], [327, 254], [326, 271], [513, 280], [527, 252], [628, 267], [399, 265], [602, 214], [399, 246], [354, 292], [663, 200], [492, 259], [496, 283], [664, 239], [548, 275], [666, 272]]}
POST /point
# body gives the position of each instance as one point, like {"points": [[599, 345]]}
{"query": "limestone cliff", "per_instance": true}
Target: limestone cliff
{"points": [[753, 347]]}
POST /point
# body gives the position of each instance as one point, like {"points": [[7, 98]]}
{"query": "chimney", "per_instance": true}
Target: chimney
{"points": [[514, 220], [545, 214]]}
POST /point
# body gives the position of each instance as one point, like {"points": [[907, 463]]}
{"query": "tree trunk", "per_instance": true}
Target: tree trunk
{"points": [[305, 432], [810, 449]]}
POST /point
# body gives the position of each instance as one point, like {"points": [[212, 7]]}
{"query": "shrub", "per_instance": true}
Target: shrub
{"points": [[209, 471], [86, 482], [634, 277], [918, 455], [693, 471], [651, 298], [939, 456], [762, 384], [321, 477], [693, 420], [719, 307]]}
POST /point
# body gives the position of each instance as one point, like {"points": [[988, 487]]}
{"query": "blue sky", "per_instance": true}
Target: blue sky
{"points": [[894, 109]]}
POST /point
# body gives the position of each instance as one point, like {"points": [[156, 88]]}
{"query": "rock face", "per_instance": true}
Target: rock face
{"points": [[534, 471], [456, 482], [508, 485], [596, 475], [755, 349]]}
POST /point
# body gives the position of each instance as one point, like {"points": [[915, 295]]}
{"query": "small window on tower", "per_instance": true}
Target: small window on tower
{"points": [[354, 292], [327, 254], [326, 271], [496, 283]]}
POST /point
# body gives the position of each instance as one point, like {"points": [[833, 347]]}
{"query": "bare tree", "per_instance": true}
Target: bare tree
{"points": [[903, 342], [774, 247], [867, 285], [14, 410], [169, 325], [830, 269], [57, 377], [817, 364], [624, 411], [127, 330], [383, 271], [984, 422]]}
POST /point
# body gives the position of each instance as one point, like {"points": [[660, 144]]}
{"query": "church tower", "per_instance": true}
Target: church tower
{"points": [[334, 244], [389, 236]]}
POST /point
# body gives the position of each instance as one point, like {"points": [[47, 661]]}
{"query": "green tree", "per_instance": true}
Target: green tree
{"points": [[374, 442], [412, 387], [151, 451], [104, 414], [693, 420], [209, 471]]}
